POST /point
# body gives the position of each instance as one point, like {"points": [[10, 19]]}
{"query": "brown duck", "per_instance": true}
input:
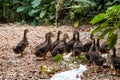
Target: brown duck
{"points": [[115, 60], [77, 47], [93, 55], [22, 44], [57, 41], [45, 48], [61, 48], [71, 43], [88, 44]]}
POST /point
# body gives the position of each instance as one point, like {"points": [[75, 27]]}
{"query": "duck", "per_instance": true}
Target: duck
{"points": [[115, 60], [77, 47], [88, 44], [61, 48], [70, 43], [57, 41], [20, 47], [44, 41], [103, 48], [94, 56], [45, 48]]}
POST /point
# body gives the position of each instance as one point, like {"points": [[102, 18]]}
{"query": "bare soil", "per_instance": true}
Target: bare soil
{"points": [[28, 67]]}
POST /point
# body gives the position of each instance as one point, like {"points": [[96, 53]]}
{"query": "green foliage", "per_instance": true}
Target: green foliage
{"points": [[76, 24], [35, 12], [110, 24], [42, 69], [98, 18], [58, 58], [79, 7], [52, 70], [79, 10], [81, 58], [40, 12], [36, 3], [20, 9]]}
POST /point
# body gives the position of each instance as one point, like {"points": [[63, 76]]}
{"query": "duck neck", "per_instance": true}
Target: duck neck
{"points": [[58, 36], [45, 38], [48, 40], [24, 37], [64, 40], [78, 37], [74, 37], [98, 43], [94, 46], [91, 36], [114, 52]]}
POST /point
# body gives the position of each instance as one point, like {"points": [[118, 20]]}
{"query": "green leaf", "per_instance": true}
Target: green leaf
{"points": [[72, 15], [36, 3], [51, 17], [112, 9], [76, 24], [20, 9], [53, 70], [75, 6], [111, 31], [33, 23], [98, 18], [32, 12], [43, 69], [112, 39], [17, 2], [116, 7], [99, 28], [114, 1], [42, 14], [104, 33], [58, 58]]}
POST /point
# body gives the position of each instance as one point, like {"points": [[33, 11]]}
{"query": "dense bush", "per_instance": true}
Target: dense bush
{"points": [[35, 12], [39, 12], [80, 9]]}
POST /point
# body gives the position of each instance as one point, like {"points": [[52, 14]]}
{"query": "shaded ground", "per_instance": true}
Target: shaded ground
{"points": [[28, 68]]}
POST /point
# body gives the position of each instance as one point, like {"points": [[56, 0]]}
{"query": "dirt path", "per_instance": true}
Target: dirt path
{"points": [[27, 68]]}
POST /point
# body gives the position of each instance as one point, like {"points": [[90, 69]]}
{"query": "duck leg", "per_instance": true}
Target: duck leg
{"points": [[94, 70], [21, 54], [45, 57], [108, 57], [89, 63], [116, 72], [99, 69]]}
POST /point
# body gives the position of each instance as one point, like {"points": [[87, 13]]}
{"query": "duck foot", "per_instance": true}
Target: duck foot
{"points": [[99, 71], [39, 59], [45, 57], [115, 73], [89, 65], [21, 56]]}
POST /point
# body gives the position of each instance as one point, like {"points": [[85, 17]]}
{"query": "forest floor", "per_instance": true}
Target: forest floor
{"points": [[28, 67]]}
